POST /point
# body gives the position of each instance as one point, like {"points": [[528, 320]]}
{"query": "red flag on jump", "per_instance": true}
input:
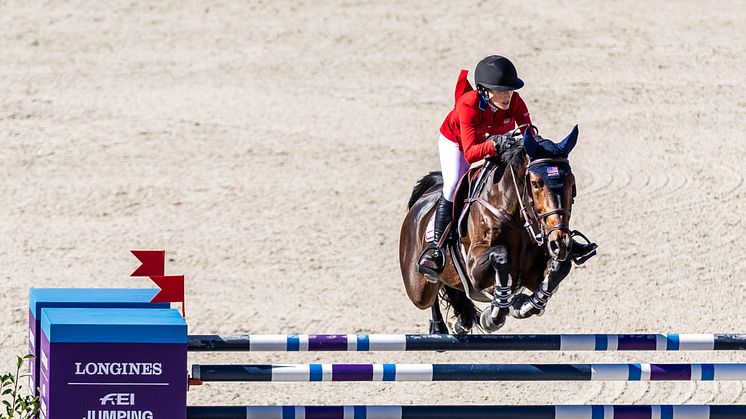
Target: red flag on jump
{"points": [[172, 290], [153, 266], [153, 262]]}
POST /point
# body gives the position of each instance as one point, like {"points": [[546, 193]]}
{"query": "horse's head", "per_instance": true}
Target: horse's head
{"points": [[550, 188]]}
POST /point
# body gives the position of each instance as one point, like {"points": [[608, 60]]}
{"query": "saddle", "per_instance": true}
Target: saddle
{"points": [[469, 187]]}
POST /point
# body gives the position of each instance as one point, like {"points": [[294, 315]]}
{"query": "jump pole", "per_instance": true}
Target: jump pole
{"points": [[468, 372], [100, 360], [471, 412], [512, 342]]}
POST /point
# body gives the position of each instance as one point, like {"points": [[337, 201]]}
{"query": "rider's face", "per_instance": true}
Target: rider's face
{"points": [[499, 99]]}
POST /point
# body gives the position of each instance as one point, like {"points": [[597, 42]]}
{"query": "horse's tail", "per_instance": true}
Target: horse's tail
{"points": [[422, 186]]}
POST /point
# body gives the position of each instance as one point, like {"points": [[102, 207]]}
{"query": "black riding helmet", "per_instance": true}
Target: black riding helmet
{"points": [[497, 73]]}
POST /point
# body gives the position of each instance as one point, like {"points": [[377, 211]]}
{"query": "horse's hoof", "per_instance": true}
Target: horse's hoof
{"points": [[492, 323], [459, 329], [438, 328], [526, 310], [519, 302]]}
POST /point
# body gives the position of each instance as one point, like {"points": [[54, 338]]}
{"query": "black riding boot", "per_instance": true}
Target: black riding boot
{"points": [[433, 258], [582, 251]]}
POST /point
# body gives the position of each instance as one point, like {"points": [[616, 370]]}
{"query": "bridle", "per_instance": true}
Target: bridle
{"points": [[531, 217]]}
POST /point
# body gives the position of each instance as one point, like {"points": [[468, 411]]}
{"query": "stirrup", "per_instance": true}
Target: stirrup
{"points": [[428, 266], [590, 248]]}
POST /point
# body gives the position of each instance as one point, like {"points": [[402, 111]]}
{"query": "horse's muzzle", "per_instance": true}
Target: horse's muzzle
{"points": [[559, 245]]}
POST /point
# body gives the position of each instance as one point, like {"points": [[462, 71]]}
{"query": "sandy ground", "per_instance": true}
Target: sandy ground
{"points": [[271, 147]]}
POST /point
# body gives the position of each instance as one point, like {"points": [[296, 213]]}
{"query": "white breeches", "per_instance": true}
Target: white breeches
{"points": [[453, 164]]}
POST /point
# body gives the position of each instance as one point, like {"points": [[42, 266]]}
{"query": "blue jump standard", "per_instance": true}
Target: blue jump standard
{"points": [[470, 412], [100, 363], [413, 342], [43, 298], [470, 372]]}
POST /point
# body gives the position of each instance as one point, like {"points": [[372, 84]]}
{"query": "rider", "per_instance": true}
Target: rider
{"points": [[471, 132]]}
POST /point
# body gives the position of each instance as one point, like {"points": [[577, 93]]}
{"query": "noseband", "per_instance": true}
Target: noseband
{"points": [[530, 216]]}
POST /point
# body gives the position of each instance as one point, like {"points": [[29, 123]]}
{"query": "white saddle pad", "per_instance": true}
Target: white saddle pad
{"points": [[430, 230]]}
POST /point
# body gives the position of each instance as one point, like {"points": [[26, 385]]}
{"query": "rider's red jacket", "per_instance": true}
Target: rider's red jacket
{"points": [[472, 120]]}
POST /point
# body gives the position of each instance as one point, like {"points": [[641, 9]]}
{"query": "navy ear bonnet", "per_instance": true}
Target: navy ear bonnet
{"points": [[553, 174]]}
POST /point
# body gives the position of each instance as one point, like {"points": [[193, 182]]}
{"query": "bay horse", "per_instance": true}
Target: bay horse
{"points": [[517, 237]]}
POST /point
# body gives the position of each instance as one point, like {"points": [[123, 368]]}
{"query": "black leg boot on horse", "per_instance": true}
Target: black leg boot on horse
{"points": [[433, 258], [525, 306], [493, 317]]}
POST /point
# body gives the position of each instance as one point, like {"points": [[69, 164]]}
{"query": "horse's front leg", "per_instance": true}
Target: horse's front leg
{"points": [[535, 304], [493, 317], [484, 262]]}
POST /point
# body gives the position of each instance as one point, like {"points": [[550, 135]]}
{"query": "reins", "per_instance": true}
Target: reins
{"points": [[538, 238]]}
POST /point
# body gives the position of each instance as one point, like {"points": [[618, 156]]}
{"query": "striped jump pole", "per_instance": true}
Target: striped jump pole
{"points": [[113, 356], [471, 412], [469, 372], [515, 342]]}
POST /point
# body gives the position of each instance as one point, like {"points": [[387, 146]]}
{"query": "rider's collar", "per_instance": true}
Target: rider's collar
{"points": [[483, 103]]}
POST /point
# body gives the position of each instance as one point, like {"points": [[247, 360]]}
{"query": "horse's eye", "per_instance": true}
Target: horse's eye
{"points": [[535, 184]]}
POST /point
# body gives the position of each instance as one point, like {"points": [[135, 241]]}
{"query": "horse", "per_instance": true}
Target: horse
{"points": [[517, 237]]}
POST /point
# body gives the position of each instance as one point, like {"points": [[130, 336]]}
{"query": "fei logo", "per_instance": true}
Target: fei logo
{"points": [[118, 399]]}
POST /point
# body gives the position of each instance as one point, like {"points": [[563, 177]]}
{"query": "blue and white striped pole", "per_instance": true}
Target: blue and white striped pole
{"points": [[411, 342], [470, 372], [470, 412]]}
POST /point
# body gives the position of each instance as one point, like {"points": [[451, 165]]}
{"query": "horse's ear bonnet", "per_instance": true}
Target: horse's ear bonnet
{"points": [[533, 149], [541, 148], [552, 173], [569, 142]]}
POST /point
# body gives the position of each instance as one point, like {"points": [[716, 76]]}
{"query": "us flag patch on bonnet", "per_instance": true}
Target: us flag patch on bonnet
{"points": [[552, 171]]}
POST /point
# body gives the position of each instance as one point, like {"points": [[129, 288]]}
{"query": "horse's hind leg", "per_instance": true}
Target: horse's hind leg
{"points": [[537, 302], [464, 309], [493, 317], [437, 324]]}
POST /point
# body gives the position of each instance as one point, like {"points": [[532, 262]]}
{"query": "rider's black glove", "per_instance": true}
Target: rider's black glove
{"points": [[501, 142]]}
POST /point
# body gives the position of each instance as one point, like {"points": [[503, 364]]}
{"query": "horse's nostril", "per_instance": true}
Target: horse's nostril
{"points": [[554, 246]]}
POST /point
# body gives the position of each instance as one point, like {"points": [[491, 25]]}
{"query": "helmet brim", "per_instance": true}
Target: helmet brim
{"points": [[504, 88]]}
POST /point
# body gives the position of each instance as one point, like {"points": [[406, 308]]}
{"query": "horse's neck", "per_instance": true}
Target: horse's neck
{"points": [[503, 194]]}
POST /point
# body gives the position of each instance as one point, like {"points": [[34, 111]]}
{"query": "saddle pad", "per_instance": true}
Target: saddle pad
{"points": [[430, 230]]}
